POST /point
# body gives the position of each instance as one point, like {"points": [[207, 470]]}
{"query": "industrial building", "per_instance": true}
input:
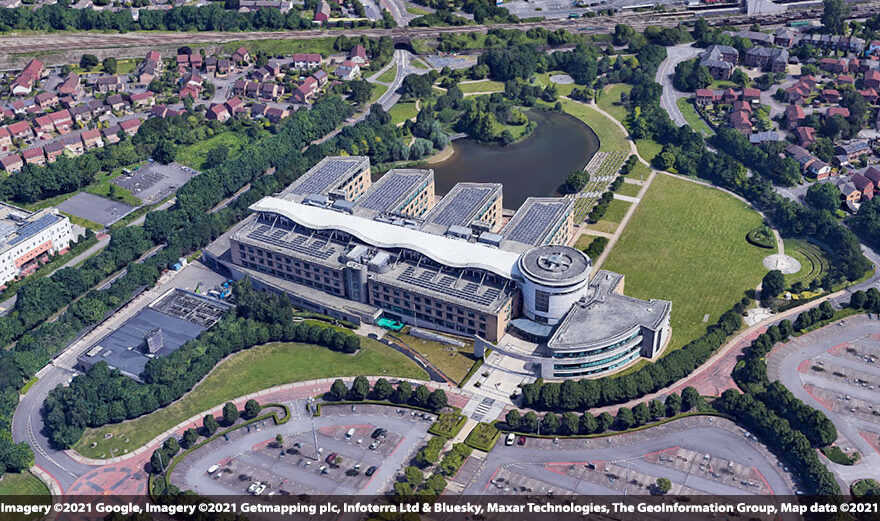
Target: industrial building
{"points": [[28, 239], [158, 330], [338, 244]]}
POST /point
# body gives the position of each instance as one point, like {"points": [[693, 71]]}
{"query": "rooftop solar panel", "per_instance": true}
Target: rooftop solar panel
{"points": [[323, 176], [35, 227], [533, 225], [381, 198], [460, 209]]}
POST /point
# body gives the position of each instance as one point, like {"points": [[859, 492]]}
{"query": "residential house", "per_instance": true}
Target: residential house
{"points": [[834, 65], [80, 114], [241, 56], [348, 71], [756, 37], [12, 163], [239, 88], [801, 155], [72, 86], [235, 106], [837, 111], [106, 84], [845, 79], [767, 58], [275, 115], [62, 120], [142, 100], [20, 130], [259, 109], [853, 149], [873, 174], [34, 156], [306, 91], [5, 140], [131, 126], [720, 60], [53, 151], [806, 136], [150, 68], [116, 102], [869, 95], [851, 194], [188, 92], [271, 91], [784, 37], [819, 169], [211, 64], [306, 61], [159, 111], [224, 67], [43, 125], [27, 79], [359, 56], [74, 145], [705, 97], [766, 137], [751, 95], [322, 13], [740, 120], [794, 114], [91, 139], [830, 96], [321, 77], [98, 108], [872, 80], [46, 100], [217, 112], [864, 185], [110, 134]]}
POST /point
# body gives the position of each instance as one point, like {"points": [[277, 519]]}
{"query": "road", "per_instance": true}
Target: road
{"points": [[674, 56]]}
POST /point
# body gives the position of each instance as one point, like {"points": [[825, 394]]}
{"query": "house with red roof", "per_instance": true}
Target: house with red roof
{"points": [[5, 140], [44, 125], [872, 79], [864, 185], [306, 91], [705, 96], [749, 94], [275, 114], [869, 95], [306, 61], [834, 65], [62, 121], [12, 163], [740, 120], [322, 13], [46, 100], [20, 130], [235, 106], [72, 86], [837, 111], [34, 156], [806, 136], [845, 79], [131, 126], [831, 96], [241, 56], [142, 99], [30, 75], [359, 55], [729, 96], [91, 139], [217, 112], [794, 114]]}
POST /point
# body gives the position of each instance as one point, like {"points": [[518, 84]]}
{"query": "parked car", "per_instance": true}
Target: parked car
{"points": [[372, 470], [380, 432], [510, 439], [522, 440]]}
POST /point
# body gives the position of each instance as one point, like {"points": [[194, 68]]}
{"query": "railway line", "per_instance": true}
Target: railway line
{"points": [[29, 44]]}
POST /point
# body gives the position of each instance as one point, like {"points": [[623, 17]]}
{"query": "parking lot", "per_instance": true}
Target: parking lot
{"points": [[349, 460], [95, 208], [837, 370], [154, 181], [699, 455]]}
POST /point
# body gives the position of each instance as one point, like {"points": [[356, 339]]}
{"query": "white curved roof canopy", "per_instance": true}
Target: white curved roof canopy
{"points": [[444, 250]]}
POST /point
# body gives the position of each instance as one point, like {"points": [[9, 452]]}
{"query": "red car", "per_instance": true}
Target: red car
{"points": [[521, 440]]}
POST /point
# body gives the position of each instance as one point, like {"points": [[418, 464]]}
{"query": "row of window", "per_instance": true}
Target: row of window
{"points": [[598, 371], [591, 352], [603, 361]]}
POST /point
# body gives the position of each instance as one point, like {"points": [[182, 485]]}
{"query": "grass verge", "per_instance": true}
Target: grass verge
{"points": [[403, 111], [454, 361], [693, 119], [611, 137]]}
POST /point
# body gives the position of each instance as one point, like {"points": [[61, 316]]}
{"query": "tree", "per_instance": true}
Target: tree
{"points": [[87, 61], [587, 424], [165, 151], [663, 485], [834, 15], [109, 65], [190, 437], [549, 423], [216, 156], [210, 425], [824, 196], [338, 390], [403, 394], [513, 419], [605, 421], [414, 476], [279, 440], [740, 78], [437, 400], [690, 398], [171, 446], [421, 395], [530, 422], [771, 285], [361, 91], [251, 409], [159, 461], [230, 413], [382, 390], [360, 388], [625, 418]]}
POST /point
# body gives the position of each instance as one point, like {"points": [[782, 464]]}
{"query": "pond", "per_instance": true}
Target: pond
{"points": [[534, 167]]}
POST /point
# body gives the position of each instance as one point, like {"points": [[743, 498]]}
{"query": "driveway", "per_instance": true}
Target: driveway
{"points": [[674, 56]]}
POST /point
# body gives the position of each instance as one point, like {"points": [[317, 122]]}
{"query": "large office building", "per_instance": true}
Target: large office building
{"points": [[340, 245], [27, 239]]}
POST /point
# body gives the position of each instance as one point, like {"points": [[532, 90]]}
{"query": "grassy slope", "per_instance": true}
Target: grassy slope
{"points": [[611, 138], [609, 101], [454, 361], [388, 76], [246, 372], [193, 156], [481, 86], [403, 111], [24, 484], [324, 46], [694, 120], [686, 243]]}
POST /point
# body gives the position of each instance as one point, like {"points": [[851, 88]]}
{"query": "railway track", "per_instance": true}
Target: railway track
{"points": [[30, 44]]}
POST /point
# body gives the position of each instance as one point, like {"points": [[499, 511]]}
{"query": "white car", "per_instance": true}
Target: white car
{"points": [[510, 439]]}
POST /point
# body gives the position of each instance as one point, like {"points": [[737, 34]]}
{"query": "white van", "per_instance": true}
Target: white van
{"points": [[349, 434], [213, 468], [510, 439]]}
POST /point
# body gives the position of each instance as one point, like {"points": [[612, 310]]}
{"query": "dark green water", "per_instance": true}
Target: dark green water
{"points": [[535, 166]]}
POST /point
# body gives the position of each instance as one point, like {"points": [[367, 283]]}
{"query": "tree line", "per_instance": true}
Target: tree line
{"points": [[103, 396]]}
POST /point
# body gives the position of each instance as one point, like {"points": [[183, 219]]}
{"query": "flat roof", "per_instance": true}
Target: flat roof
{"points": [[555, 265], [328, 174], [392, 191], [444, 250], [535, 221], [606, 317], [18, 224], [461, 206]]}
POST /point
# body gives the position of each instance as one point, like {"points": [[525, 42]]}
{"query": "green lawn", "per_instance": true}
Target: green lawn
{"points": [[640, 172], [693, 119], [814, 262], [616, 210], [403, 111], [378, 90], [27, 485], [686, 243], [417, 11], [194, 155], [648, 148], [454, 361], [248, 371], [481, 86], [611, 137], [389, 75], [111, 191], [629, 189], [323, 46], [609, 101], [85, 223], [563, 89]]}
